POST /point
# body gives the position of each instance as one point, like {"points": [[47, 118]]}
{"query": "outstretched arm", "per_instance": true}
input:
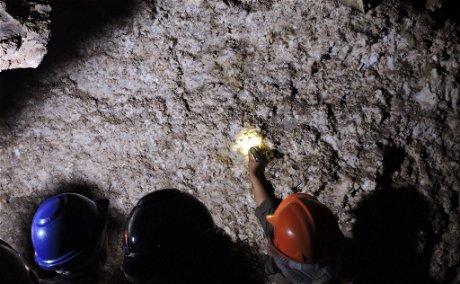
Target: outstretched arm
{"points": [[261, 187], [262, 190]]}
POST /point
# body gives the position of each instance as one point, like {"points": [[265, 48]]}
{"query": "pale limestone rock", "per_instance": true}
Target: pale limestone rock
{"points": [[156, 99], [426, 98], [357, 4], [24, 33], [433, 5]]}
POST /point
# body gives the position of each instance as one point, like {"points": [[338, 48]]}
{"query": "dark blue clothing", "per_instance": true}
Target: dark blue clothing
{"points": [[83, 277]]}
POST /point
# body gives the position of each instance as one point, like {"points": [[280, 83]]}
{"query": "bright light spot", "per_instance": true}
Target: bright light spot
{"points": [[41, 233], [247, 139]]}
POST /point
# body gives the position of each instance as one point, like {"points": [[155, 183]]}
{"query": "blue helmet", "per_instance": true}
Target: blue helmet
{"points": [[67, 230]]}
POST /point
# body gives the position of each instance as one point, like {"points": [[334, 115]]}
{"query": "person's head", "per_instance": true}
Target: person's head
{"points": [[305, 230], [14, 269], [69, 232], [161, 234]]}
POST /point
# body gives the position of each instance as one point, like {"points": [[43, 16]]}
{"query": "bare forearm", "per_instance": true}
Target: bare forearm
{"points": [[259, 188]]}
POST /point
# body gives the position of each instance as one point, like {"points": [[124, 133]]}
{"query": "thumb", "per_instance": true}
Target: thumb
{"points": [[255, 154]]}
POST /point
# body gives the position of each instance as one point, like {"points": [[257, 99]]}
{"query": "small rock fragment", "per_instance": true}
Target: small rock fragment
{"points": [[361, 5], [433, 5], [24, 33], [426, 98], [357, 4]]}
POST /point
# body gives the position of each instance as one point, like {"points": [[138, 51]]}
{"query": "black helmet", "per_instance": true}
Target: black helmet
{"points": [[13, 268], [161, 233]]}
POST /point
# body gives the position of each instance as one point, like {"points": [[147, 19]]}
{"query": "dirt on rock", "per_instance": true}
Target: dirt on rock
{"points": [[142, 95]]}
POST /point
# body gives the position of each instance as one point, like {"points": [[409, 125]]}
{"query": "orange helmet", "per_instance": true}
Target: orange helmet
{"points": [[305, 230]]}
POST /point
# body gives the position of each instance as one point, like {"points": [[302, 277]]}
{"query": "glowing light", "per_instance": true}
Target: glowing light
{"points": [[41, 233], [247, 139]]}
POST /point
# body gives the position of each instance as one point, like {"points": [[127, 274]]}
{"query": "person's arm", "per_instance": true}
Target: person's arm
{"points": [[261, 188], [262, 191]]}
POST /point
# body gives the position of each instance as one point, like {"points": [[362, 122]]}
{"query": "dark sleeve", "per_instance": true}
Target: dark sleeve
{"points": [[48, 281], [266, 208], [74, 278]]}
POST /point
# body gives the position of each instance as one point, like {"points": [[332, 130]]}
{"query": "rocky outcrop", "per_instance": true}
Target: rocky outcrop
{"points": [[362, 107], [24, 33], [366, 5]]}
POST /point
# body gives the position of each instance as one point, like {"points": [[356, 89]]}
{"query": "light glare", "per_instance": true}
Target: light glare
{"points": [[247, 139]]}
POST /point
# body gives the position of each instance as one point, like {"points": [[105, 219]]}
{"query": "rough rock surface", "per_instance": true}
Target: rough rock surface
{"points": [[24, 33], [150, 96]]}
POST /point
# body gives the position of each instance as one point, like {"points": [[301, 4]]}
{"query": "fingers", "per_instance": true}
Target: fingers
{"points": [[255, 154]]}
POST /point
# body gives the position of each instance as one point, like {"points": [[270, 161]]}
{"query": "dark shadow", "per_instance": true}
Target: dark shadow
{"points": [[72, 22], [449, 10], [18, 9], [270, 156], [15, 207], [15, 88], [392, 239], [274, 154], [84, 188], [393, 157], [219, 260], [270, 190], [114, 274], [371, 4]]}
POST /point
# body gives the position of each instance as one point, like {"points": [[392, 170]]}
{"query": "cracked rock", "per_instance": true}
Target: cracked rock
{"points": [[155, 97], [24, 33]]}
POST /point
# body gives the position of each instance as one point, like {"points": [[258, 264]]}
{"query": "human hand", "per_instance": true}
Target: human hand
{"points": [[256, 163]]}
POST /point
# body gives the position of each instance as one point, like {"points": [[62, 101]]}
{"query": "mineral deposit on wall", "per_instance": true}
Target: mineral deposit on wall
{"points": [[363, 108], [24, 33]]}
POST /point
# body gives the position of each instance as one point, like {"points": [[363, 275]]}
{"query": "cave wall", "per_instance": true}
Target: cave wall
{"points": [[142, 95]]}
